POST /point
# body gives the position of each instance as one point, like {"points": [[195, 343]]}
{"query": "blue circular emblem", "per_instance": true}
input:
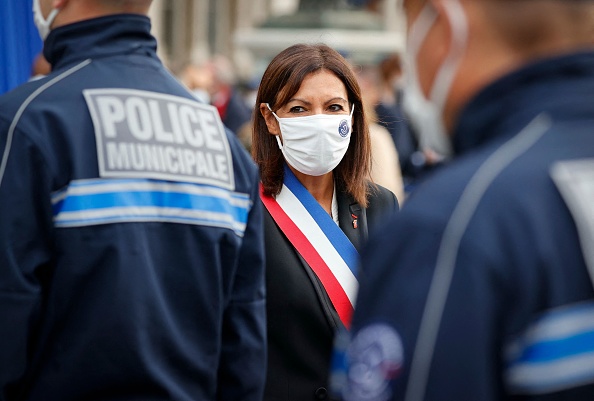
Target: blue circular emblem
{"points": [[343, 128], [376, 357]]}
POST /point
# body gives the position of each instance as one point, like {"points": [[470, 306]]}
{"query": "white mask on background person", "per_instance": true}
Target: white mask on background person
{"points": [[426, 115], [398, 84], [314, 145], [43, 25], [202, 95]]}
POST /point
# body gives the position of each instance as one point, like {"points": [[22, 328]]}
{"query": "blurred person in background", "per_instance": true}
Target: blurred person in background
{"points": [[415, 161], [198, 79], [40, 68], [131, 238], [389, 112], [385, 166], [225, 96], [214, 82], [311, 142], [481, 288]]}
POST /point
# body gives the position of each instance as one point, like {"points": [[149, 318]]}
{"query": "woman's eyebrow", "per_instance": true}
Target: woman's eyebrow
{"points": [[334, 99], [296, 99]]}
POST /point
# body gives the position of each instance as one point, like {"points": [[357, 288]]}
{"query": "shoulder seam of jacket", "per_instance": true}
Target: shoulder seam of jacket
{"points": [[25, 104]]}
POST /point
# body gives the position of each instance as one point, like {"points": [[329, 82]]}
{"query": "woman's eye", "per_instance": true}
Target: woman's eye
{"points": [[336, 107], [296, 109]]}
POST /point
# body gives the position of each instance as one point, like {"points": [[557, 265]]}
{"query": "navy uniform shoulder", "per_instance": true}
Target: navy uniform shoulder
{"points": [[382, 204], [11, 101], [433, 200]]}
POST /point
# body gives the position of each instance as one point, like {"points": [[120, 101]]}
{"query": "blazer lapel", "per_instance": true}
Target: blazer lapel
{"points": [[352, 219]]}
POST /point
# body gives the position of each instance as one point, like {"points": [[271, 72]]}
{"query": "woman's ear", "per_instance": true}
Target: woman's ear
{"points": [[271, 122]]}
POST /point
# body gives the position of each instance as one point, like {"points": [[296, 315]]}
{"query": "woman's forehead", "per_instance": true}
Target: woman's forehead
{"points": [[322, 84]]}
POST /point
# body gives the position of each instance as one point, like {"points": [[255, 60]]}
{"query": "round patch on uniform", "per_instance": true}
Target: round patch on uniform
{"points": [[376, 357], [343, 128]]}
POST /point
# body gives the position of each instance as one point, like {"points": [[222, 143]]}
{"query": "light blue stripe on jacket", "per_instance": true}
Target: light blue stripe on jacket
{"points": [[105, 201], [555, 353]]}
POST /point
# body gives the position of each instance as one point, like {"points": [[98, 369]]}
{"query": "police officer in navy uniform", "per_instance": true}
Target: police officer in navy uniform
{"points": [[131, 257], [482, 287]]}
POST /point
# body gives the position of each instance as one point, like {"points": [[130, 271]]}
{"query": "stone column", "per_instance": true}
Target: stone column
{"points": [[199, 23], [156, 15]]}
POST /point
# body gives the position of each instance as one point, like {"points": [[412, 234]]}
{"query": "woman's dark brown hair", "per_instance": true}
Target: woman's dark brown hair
{"points": [[281, 80]]}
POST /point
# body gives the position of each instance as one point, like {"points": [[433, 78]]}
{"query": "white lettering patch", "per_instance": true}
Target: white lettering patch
{"points": [[575, 181], [144, 134]]}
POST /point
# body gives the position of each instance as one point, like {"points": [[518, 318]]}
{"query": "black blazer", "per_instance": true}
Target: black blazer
{"points": [[301, 317]]}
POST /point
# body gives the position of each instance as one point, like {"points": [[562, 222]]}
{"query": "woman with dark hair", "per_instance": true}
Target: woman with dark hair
{"points": [[311, 142]]}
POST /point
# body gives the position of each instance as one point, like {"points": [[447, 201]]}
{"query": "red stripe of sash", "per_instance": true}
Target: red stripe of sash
{"points": [[312, 257]]}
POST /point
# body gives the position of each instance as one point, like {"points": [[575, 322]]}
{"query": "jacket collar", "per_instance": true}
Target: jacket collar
{"points": [[516, 99], [99, 37]]}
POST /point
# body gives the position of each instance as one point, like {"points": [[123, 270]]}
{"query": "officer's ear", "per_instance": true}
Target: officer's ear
{"points": [[271, 122], [59, 4]]}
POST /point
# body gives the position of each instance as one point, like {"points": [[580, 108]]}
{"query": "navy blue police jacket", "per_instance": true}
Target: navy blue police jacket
{"points": [[479, 289], [131, 252]]}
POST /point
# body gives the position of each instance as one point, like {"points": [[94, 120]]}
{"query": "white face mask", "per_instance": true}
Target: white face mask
{"points": [[426, 115], [314, 145], [43, 25]]}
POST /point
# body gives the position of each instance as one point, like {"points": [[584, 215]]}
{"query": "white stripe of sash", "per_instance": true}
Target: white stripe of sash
{"points": [[293, 207]]}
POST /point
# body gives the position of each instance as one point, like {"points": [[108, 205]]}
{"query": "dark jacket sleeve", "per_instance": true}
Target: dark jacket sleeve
{"points": [[25, 229], [242, 369]]}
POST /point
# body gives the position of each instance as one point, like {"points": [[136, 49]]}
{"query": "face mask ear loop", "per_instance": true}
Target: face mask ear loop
{"points": [[445, 76], [280, 145], [273, 113], [418, 33], [51, 17]]}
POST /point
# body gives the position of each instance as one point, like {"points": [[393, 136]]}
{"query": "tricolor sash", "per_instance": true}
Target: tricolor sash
{"points": [[319, 240]]}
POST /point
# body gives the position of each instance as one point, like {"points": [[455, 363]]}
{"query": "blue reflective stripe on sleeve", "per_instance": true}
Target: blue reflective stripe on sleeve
{"points": [[91, 202], [552, 350], [555, 353]]}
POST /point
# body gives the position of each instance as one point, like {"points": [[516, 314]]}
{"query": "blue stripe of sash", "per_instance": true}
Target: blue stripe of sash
{"points": [[337, 238]]}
